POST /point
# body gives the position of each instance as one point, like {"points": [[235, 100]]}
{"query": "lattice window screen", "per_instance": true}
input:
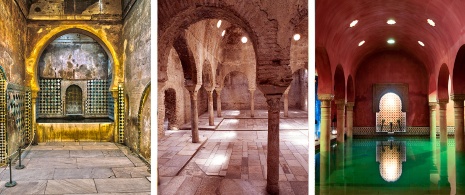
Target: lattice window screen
{"points": [[390, 107], [121, 113], [97, 97], [50, 102]]}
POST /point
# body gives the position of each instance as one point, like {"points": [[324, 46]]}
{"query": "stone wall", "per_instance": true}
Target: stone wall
{"points": [[12, 41], [136, 59], [75, 9]]}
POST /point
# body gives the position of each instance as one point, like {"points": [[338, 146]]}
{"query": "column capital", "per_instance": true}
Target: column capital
{"points": [[457, 97], [273, 101], [350, 106], [192, 87], [443, 101], [340, 102], [443, 104], [325, 97], [432, 104]]}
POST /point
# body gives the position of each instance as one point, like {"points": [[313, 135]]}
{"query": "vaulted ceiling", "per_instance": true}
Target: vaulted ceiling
{"points": [[441, 42]]}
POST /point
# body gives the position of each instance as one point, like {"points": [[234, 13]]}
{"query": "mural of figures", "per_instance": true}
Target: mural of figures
{"points": [[74, 57]]}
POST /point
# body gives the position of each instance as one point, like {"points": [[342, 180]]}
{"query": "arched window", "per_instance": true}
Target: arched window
{"points": [[390, 117], [73, 100]]}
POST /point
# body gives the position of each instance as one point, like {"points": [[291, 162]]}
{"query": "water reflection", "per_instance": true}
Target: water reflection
{"points": [[390, 154], [391, 166]]}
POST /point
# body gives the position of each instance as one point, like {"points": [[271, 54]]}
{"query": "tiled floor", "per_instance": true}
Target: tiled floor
{"points": [[232, 161], [78, 168]]}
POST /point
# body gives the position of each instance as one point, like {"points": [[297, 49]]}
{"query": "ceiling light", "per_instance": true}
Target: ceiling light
{"points": [[296, 37], [244, 39], [391, 21], [218, 24], [224, 32], [361, 43], [421, 43], [353, 23], [391, 41], [431, 22]]}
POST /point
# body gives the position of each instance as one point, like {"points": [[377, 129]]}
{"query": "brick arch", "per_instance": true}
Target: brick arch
{"points": [[186, 57], [32, 61], [443, 83], [339, 83], [323, 68], [273, 73], [230, 72], [458, 74]]}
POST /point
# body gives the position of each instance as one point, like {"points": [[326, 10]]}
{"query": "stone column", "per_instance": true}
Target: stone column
{"points": [[432, 121], [35, 140], [325, 132], [325, 125], [286, 105], [193, 92], [272, 158], [341, 106], [218, 101], [458, 116], [211, 117], [350, 119], [252, 101], [443, 121]]}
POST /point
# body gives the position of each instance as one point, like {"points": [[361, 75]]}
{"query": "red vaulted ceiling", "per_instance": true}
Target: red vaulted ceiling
{"points": [[341, 42]]}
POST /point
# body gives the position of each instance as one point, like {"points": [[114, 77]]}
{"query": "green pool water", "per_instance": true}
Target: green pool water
{"points": [[391, 166]]}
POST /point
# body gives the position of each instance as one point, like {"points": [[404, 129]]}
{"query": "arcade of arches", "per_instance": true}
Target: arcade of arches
{"points": [[387, 71], [232, 97], [75, 95]]}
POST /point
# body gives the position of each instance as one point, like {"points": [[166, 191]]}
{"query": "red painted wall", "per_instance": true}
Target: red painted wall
{"points": [[391, 67]]}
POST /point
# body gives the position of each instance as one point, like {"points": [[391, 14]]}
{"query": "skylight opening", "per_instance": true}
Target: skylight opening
{"points": [[296, 37], [223, 33], [431, 22], [361, 43], [353, 23], [244, 39], [391, 22], [421, 43], [218, 25], [391, 41]]}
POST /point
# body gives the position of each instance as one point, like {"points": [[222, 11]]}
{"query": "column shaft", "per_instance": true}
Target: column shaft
{"points": [[211, 117], [325, 125], [432, 121], [443, 121], [272, 160], [341, 105], [458, 119], [194, 116], [350, 119], [252, 101], [218, 102], [286, 105]]}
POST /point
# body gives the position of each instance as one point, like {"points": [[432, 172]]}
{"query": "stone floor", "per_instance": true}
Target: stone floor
{"points": [[78, 168], [232, 161]]}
